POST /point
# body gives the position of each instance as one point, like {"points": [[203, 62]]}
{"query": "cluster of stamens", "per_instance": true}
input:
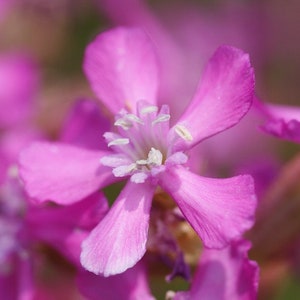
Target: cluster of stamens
{"points": [[142, 146]]}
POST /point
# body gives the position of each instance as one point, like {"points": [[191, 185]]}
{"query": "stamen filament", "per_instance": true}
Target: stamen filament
{"points": [[149, 109], [161, 118]]}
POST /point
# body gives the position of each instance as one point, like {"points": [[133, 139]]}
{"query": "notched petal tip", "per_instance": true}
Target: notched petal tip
{"points": [[224, 95], [121, 66]]}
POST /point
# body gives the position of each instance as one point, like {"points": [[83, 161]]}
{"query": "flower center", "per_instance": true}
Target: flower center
{"points": [[142, 146]]}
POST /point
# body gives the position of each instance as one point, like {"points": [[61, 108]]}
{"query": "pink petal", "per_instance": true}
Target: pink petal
{"points": [[282, 121], [225, 274], [218, 209], [130, 285], [85, 126], [122, 68], [119, 241], [223, 97], [62, 173]]}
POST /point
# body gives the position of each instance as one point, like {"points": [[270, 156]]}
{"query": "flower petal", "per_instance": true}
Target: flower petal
{"points": [[218, 209], [224, 274], [122, 68], [281, 121], [119, 241], [62, 173], [223, 97], [85, 126], [130, 285]]}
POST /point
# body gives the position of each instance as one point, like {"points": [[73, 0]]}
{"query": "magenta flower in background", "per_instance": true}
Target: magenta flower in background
{"points": [[226, 274], [24, 228], [18, 87], [123, 71], [130, 285], [64, 228], [16, 268], [19, 78], [282, 121]]}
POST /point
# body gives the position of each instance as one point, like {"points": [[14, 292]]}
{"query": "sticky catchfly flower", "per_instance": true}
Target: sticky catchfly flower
{"points": [[122, 68]]}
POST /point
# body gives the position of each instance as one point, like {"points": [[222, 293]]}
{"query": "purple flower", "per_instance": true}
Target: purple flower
{"points": [[225, 274], [123, 71]]}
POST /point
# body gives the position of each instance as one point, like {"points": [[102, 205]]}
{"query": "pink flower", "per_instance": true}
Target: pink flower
{"points": [[282, 121], [122, 69], [83, 123], [130, 285], [18, 87], [186, 35], [225, 274], [185, 42]]}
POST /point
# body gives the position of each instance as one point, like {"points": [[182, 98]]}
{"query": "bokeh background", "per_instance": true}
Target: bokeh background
{"points": [[54, 34]]}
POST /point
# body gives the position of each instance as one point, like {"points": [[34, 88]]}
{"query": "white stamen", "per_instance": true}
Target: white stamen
{"points": [[183, 132], [134, 118], [161, 118], [122, 171], [149, 109], [147, 152], [118, 142], [122, 122], [155, 157], [142, 162]]}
